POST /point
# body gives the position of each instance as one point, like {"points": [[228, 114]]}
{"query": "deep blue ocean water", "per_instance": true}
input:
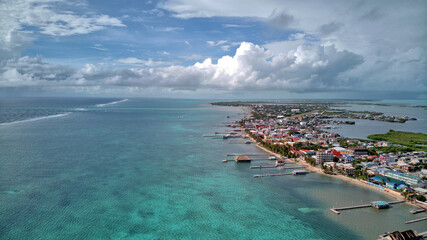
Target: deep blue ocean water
{"points": [[80, 168]]}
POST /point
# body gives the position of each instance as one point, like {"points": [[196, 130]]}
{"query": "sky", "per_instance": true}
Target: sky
{"points": [[241, 49]]}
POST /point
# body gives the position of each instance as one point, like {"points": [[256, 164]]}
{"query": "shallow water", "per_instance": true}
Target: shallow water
{"points": [[141, 169], [363, 128]]}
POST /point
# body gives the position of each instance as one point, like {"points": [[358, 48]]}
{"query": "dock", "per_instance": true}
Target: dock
{"points": [[419, 210], [277, 174], [252, 159], [250, 154], [376, 204], [416, 220], [271, 174], [249, 158], [274, 166], [334, 211]]}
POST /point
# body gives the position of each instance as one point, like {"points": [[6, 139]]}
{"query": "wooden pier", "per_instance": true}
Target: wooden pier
{"points": [[249, 158], [336, 210], [274, 166], [416, 220], [276, 174], [419, 210], [250, 154], [271, 174]]}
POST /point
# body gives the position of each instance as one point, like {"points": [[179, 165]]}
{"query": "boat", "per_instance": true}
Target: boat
{"points": [[280, 163], [299, 172]]}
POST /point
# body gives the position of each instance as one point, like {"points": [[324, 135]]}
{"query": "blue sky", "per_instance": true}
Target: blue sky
{"points": [[214, 49]]}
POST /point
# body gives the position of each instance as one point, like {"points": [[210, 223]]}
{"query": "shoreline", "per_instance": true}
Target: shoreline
{"points": [[358, 182]]}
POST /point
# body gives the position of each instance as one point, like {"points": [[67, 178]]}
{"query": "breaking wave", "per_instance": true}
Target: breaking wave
{"points": [[80, 109], [35, 119], [111, 103]]}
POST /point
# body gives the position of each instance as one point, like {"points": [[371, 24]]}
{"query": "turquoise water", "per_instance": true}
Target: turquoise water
{"points": [[141, 169]]}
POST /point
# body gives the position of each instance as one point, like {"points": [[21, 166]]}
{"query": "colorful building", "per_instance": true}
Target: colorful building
{"points": [[407, 178]]}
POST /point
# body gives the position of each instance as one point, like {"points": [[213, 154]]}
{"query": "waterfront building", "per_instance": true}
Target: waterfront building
{"points": [[379, 204], [242, 158], [324, 156], [407, 178], [390, 183], [349, 169]]}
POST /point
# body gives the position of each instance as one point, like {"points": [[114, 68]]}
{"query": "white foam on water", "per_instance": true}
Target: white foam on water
{"points": [[111, 103], [80, 109], [36, 119]]}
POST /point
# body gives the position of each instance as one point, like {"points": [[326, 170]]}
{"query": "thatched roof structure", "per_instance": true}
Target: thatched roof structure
{"points": [[242, 158]]}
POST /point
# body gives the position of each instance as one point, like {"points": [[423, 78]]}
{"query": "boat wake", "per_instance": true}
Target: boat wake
{"points": [[36, 119], [80, 109], [111, 103]]}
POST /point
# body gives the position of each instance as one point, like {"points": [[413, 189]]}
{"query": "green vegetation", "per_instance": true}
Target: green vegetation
{"points": [[408, 139], [367, 112], [280, 149], [421, 198], [310, 160], [346, 113], [391, 149], [306, 113], [306, 146]]}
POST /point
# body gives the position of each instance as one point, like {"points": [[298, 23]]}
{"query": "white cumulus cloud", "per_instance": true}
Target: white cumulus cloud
{"points": [[16, 16], [315, 68]]}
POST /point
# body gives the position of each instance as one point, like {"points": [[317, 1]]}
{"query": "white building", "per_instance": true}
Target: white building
{"points": [[324, 156]]}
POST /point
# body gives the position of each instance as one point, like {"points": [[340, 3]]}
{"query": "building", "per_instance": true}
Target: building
{"points": [[390, 183], [368, 164], [384, 159], [407, 178], [404, 166], [349, 168], [242, 158], [360, 151], [380, 204], [343, 151], [324, 156], [348, 159]]}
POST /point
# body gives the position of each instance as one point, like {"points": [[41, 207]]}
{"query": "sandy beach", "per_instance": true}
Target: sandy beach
{"points": [[358, 182]]}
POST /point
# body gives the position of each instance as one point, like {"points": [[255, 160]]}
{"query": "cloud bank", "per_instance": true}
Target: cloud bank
{"points": [[355, 46], [252, 67]]}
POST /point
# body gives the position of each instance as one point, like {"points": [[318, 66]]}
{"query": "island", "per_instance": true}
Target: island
{"points": [[394, 162]]}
